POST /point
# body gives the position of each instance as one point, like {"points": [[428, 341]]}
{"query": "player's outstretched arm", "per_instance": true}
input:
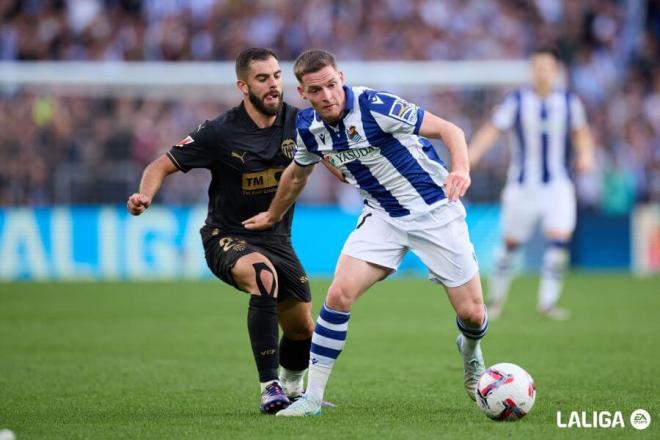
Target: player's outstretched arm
{"points": [[458, 181], [291, 184], [152, 179], [482, 141]]}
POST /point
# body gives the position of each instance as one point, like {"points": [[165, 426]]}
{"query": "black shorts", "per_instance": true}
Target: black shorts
{"points": [[222, 251]]}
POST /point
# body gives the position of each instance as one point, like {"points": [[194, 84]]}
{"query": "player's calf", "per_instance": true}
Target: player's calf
{"points": [[254, 274], [555, 261], [500, 278]]}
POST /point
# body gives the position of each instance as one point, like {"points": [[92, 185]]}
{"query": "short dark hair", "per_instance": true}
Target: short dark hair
{"points": [[312, 61], [244, 59], [547, 50]]}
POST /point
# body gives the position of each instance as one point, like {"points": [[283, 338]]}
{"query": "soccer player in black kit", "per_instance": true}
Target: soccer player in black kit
{"points": [[246, 149]]}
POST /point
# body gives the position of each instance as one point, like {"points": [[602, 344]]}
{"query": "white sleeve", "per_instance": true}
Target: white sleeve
{"points": [[578, 115], [504, 114], [302, 156]]}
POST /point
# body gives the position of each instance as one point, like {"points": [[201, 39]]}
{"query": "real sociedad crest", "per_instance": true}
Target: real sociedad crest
{"points": [[288, 148], [353, 134]]}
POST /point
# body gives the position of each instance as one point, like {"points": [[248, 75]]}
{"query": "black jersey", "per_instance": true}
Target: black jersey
{"points": [[246, 163]]}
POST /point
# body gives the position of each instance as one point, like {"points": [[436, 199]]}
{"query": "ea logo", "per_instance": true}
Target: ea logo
{"points": [[640, 419]]}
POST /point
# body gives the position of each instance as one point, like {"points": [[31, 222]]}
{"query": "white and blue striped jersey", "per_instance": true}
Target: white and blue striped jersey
{"points": [[542, 147], [377, 147]]}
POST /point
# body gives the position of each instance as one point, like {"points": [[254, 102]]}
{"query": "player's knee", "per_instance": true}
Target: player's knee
{"points": [[256, 276], [472, 314], [303, 333], [265, 279], [339, 297], [300, 331], [306, 330]]}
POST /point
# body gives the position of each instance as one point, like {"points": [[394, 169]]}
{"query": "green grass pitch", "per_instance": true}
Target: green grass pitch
{"points": [[172, 360]]}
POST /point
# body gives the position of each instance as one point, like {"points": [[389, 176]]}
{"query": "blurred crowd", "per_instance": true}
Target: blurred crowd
{"points": [[82, 149]]}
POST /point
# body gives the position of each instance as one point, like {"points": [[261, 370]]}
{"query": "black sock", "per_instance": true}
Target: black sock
{"points": [[294, 355], [263, 331]]}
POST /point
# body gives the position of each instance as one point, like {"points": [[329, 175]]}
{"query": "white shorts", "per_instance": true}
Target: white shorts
{"points": [[439, 238], [522, 207]]}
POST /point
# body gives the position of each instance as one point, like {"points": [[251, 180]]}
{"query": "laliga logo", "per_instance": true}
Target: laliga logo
{"points": [[639, 419]]}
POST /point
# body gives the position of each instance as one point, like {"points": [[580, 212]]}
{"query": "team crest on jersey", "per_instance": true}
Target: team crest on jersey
{"points": [[288, 148], [353, 134], [404, 111], [186, 141]]}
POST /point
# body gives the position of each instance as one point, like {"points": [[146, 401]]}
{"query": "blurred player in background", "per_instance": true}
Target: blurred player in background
{"points": [[551, 135], [246, 149], [411, 202]]}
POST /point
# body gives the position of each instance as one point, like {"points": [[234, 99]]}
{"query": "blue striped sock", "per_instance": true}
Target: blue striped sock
{"points": [[329, 337], [327, 343]]}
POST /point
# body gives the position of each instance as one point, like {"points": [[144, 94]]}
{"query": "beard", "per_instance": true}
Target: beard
{"points": [[263, 108]]}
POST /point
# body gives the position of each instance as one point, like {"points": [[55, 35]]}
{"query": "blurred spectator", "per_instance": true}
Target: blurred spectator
{"points": [[68, 149]]}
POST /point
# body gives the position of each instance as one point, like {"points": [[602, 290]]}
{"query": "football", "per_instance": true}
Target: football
{"points": [[505, 392]]}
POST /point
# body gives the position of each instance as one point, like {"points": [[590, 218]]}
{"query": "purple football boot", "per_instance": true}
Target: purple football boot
{"points": [[273, 399]]}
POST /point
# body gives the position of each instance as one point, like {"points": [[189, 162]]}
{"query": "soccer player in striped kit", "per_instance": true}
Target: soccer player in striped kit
{"points": [[551, 136], [411, 203]]}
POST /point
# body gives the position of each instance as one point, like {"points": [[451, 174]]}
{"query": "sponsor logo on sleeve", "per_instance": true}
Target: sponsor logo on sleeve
{"points": [[403, 111], [187, 140]]}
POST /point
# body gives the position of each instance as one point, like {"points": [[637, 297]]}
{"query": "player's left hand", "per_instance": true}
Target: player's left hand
{"points": [[457, 184], [263, 220]]}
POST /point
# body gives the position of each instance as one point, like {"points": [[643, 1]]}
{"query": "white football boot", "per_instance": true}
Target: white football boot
{"points": [[303, 407], [555, 313], [473, 366]]}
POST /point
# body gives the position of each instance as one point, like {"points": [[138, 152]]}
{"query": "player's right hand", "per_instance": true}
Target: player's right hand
{"points": [[138, 203], [263, 220], [457, 184]]}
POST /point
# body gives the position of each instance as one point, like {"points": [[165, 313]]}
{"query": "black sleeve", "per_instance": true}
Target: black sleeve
{"points": [[197, 150]]}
